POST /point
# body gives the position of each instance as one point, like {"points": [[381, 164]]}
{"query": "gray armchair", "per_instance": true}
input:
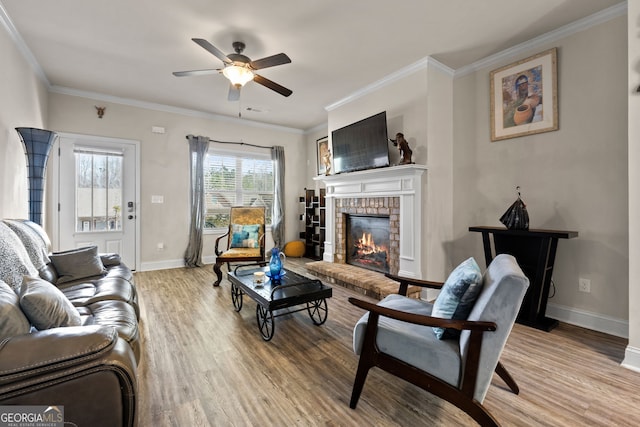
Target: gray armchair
{"points": [[396, 335]]}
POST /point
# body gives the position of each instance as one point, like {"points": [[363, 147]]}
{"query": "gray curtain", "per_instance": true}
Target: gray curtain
{"points": [[198, 146], [277, 222]]}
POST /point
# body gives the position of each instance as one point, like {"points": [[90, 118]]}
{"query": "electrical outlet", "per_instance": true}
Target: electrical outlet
{"points": [[584, 285]]}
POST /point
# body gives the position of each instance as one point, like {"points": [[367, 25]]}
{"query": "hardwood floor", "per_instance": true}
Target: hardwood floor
{"points": [[204, 364]]}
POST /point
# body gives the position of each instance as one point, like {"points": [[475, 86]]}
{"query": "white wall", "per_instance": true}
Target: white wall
{"points": [[440, 191], [632, 355], [23, 103], [571, 179], [165, 165]]}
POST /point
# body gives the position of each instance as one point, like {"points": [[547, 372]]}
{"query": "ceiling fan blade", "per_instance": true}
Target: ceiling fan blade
{"points": [[196, 72], [213, 50], [272, 85], [234, 93], [270, 61]]}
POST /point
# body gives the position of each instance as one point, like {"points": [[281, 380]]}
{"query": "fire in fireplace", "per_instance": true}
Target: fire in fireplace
{"points": [[368, 242]]}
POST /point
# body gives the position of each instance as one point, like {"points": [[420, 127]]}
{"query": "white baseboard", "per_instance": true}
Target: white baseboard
{"points": [[162, 265], [589, 320], [172, 263], [631, 359]]}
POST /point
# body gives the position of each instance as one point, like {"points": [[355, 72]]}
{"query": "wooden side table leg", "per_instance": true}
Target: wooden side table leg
{"points": [[486, 243]]}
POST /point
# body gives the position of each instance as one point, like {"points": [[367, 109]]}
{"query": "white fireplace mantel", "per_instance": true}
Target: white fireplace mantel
{"points": [[405, 182]]}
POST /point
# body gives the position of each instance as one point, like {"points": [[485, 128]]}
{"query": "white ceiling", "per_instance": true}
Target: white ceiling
{"points": [[128, 49]]}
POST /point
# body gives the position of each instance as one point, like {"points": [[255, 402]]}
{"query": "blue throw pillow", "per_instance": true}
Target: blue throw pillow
{"points": [[458, 295], [245, 236], [238, 239]]}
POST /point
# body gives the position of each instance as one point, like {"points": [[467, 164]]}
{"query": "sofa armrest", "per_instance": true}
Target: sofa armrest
{"points": [[41, 352], [88, 370]]}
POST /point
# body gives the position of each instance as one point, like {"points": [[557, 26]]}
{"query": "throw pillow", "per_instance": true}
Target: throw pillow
{"points": [[36, 248], [457, 296], [245, 236], [46, 306], [15, 260], [77, 264], [12, 319]]}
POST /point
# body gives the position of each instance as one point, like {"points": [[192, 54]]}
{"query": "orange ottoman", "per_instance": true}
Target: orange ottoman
{"points": [[294, 249]]}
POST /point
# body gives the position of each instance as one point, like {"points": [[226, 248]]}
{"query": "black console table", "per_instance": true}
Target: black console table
{"points": [[535, 251]]}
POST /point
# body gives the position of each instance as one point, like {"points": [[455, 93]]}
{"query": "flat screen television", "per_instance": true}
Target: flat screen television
{"points": [[361, 145]]}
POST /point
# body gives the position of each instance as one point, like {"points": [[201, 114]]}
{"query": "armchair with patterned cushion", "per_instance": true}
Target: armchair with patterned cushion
{"points": [[244, 240], [450, 348]]}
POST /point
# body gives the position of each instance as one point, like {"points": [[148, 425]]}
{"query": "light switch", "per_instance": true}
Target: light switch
{"points": [[157, 199]]}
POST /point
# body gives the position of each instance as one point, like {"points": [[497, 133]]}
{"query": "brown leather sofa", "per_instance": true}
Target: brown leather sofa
{"points": [[79, 346]]}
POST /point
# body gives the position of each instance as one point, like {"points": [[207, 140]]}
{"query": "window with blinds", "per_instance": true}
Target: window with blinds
{"points": [[236, 179]]}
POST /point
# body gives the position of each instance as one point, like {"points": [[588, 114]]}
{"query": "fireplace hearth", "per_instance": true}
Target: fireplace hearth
{"points": [[368, 242]]}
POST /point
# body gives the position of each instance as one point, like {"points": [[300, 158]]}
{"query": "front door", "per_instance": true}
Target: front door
{"points": [[97, 195]]}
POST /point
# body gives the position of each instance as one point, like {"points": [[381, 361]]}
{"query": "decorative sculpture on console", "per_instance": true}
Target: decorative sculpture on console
{"points": [[403, 147]]}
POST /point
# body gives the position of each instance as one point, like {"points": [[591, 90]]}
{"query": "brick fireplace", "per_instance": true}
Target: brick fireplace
{"points": [[363, 208], [397, 192]]}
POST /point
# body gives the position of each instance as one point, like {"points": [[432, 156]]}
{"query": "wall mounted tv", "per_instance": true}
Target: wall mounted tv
{"points": [[361, 145]]}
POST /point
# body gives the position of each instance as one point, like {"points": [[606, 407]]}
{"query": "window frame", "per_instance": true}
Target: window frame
{"points": [[245, 153], [108, 187]]}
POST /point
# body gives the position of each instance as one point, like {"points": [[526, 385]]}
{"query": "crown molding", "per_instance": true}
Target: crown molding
{"points": [[20, 44], [612, 12], [169, 109], [423, 64], [585, 23]]}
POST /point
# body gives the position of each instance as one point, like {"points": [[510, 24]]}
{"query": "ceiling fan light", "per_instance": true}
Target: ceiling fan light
{"points": [[238, 75]]}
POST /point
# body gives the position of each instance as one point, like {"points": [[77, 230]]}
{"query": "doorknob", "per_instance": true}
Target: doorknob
{"points": [[131, 217]]}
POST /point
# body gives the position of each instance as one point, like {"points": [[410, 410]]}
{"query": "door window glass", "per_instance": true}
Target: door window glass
{"points": [[98, 190]]}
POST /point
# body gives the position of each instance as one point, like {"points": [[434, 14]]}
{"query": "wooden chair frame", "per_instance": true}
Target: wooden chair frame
{"points": [[462, 397]]}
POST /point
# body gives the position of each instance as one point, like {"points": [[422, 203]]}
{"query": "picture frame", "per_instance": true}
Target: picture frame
{"points": [[324, 156], [524, 97]]}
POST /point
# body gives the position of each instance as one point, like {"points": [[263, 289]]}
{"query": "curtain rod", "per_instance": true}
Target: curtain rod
{"points": [[239, 143]]}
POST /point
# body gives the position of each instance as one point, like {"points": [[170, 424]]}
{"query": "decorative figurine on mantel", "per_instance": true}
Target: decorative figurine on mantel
{"points": [[403, 148], [326, 160]]}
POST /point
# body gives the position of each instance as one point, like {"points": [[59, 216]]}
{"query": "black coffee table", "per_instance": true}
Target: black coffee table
{"points": [[292, 290]]}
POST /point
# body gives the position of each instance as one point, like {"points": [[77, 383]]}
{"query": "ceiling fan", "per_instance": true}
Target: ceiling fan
{"points": [[240, 69]]}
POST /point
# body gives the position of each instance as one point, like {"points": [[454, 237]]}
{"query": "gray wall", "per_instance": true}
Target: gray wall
{"points": [[571, 179], [23, 103]]}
